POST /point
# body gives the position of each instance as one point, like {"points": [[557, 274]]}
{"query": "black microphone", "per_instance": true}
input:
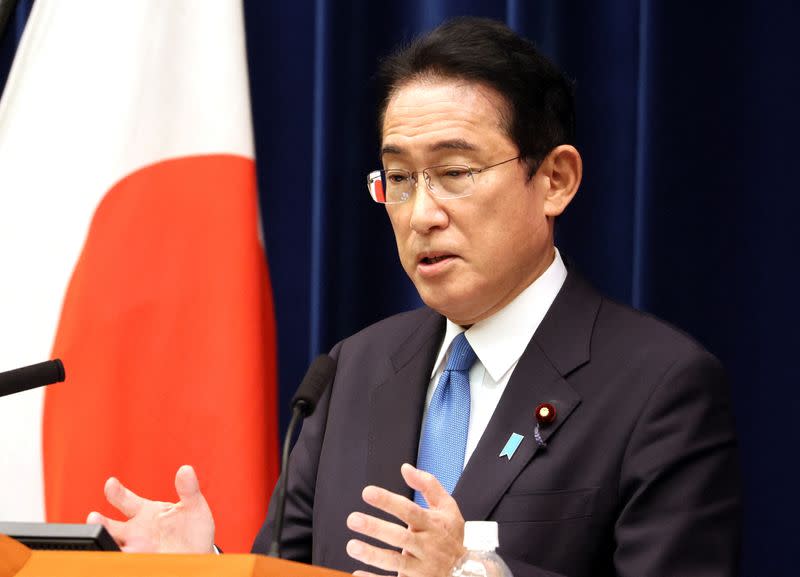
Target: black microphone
{"points": [[37, 375], [304, 402]]}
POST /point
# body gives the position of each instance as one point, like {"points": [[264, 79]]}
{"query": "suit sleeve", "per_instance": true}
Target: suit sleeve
{"points": [[296, 540], [679, 486]]}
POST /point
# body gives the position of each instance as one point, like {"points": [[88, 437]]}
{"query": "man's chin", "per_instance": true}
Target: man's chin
{"points": [[443, 305], [435, 300]]}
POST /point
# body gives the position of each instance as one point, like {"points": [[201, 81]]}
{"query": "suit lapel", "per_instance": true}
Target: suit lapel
{"points": [[560, 345], [396, 407]]}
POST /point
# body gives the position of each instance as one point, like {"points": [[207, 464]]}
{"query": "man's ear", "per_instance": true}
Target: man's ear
{"points": [[564, 169]]}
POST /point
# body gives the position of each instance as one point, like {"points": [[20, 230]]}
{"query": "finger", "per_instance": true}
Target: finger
{"points": [[115, 528], [430, 487], [360, 573], [122, 498], [384, 559], [384, 531], [396, 505], [187, 485]]}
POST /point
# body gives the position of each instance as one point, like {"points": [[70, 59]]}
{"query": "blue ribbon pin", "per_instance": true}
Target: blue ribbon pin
{"points": [[511, 445]]}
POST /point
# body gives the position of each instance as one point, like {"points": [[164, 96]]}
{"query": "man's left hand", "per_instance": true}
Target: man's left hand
{"points": [[432, 540]]}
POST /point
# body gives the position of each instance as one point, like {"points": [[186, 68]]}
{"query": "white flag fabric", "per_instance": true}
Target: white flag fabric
{"points": [[130, 120]]}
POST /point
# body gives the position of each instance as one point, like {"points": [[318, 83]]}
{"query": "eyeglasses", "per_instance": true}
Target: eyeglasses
{"points": [[446, 181]]}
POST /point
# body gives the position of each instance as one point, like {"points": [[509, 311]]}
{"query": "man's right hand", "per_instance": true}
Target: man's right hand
{"points": [[158, 527]]}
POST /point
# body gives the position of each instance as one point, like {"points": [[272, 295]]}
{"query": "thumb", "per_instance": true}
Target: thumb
{"points": [[187, 485], [114, 528]]}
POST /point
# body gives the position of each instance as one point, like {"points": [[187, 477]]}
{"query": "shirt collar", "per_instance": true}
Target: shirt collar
{"points": [[500, 340]]}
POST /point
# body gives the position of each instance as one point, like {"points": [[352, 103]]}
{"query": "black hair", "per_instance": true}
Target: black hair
{"points": [[540, 111]]}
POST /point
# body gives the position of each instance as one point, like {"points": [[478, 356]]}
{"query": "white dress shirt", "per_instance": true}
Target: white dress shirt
{"points": [[498, 342]]}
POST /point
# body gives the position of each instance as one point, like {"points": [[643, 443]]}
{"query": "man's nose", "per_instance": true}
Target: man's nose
{"points": [[426, 212]]}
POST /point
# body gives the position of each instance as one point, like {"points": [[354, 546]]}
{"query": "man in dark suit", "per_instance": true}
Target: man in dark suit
{"points": [[599, 438]]}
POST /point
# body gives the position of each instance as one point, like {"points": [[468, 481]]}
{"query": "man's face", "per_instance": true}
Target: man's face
{"points": [[468, 257]]}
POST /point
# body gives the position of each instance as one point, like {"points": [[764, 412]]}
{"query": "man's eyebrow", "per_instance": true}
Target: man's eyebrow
{"points": [[390, 149], [453, 144]]}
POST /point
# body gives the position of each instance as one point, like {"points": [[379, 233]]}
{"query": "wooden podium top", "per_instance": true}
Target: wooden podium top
{"points": [[16, 560], [13, 555]]}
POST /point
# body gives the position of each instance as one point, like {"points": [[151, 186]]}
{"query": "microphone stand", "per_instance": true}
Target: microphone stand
{"points": [[297, 414]]}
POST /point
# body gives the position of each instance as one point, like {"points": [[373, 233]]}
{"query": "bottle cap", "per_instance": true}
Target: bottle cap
{"points": [[480, 535]]}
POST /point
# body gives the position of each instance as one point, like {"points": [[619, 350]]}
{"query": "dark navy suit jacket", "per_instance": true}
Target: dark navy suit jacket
{"points": [[639, 476]]}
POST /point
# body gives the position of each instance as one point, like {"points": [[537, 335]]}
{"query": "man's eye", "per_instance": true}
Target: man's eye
{"points": [[396, 178], [455, 172]]}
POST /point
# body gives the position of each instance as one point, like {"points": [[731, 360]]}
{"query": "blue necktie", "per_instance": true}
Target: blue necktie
{"points": [[444, 434]]}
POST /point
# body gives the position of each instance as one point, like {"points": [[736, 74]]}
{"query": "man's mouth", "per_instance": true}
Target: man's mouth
{"points": [[435, 259]]}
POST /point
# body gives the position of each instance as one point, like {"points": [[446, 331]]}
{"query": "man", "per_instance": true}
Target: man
{"points": [[597, 437]]}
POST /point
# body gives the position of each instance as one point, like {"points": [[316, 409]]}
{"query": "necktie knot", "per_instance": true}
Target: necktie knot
{"points": [[461, 355]]}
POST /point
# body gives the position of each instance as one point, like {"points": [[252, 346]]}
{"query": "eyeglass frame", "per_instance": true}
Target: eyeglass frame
{"points": [[381, 174]]}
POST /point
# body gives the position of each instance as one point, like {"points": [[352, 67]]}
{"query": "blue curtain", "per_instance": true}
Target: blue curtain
{"points": [[13, 15], [687, 121]]}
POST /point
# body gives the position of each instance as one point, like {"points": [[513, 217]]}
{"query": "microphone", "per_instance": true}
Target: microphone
{"points": [[304, 402], [31, 377]]}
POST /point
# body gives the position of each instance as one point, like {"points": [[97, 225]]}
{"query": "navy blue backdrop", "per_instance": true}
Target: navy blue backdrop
{"points": [[687, 120]]}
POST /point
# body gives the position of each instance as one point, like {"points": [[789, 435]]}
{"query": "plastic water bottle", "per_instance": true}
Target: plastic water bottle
{"points": [[480, 560]]}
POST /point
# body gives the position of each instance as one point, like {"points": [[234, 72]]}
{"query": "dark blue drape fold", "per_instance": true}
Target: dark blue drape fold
{"points": [[13, 24]]}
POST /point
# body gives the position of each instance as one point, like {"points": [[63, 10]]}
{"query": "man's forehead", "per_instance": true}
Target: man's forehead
{"points": [[438, 87], [441, 114]]}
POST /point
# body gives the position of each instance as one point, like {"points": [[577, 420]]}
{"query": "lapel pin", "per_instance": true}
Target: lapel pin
{"points": [[511, 445], [545, 414]]}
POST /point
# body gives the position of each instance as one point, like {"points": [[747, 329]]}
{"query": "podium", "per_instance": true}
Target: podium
{"points": [[17, 560]]}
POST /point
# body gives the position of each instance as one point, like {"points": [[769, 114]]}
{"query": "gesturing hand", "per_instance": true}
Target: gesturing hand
{"points": [[431, 541], [157, 527]]}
